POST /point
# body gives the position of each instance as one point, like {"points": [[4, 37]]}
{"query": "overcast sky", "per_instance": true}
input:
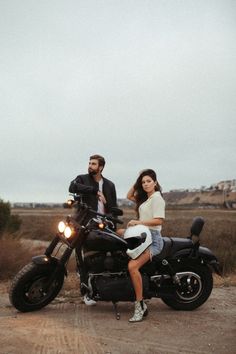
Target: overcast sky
{"points": [[147, 84]]}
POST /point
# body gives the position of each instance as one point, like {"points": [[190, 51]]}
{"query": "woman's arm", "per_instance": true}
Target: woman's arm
{"points": [[131, 194], [149, 223]]}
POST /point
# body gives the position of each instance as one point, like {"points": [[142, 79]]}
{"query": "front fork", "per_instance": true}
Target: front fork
{"points": [[82, 273], [48, 259], [52, 246]]}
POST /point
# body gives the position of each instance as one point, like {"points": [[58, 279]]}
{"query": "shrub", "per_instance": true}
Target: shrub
{"points": [[14, 223], [8, 223], [5, 213]]}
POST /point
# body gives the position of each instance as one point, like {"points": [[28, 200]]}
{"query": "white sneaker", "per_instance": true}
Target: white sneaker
{"points": [[88, 301]]}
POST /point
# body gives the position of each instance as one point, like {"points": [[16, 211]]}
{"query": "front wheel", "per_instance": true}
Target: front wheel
{"points": [[28, 291], [194, 289]]}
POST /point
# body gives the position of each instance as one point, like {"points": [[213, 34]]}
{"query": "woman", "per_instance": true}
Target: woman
{"points": [[150, 208]]}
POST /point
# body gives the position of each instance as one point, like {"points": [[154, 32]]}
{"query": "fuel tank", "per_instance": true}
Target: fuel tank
{"points": [[104, 241]]}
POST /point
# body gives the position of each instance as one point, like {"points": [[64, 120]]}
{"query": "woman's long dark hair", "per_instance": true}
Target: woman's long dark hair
{"points": [[140, 194]]}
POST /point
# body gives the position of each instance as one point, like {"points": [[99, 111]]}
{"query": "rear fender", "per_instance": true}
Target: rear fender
{"points": [[203, 254], [47, 260], [210, 259]]}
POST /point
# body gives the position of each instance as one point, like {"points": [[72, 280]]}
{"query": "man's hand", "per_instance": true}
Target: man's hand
{"points": [[101, 197]]}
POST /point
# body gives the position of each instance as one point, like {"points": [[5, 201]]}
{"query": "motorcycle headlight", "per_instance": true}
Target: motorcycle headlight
{"points": [[68, 232], [61, 226]]}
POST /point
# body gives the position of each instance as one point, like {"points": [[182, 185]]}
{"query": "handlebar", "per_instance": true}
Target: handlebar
{"points": [[106, 216], [77, 199]]}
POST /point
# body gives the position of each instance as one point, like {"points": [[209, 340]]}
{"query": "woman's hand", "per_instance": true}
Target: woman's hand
{"points": [[133, 223]]}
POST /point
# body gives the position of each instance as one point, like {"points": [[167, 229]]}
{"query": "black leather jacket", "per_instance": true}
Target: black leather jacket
{"points": [[86, 185]]}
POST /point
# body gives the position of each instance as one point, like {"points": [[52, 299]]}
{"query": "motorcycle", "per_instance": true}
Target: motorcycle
{"points": [[181, 275]]}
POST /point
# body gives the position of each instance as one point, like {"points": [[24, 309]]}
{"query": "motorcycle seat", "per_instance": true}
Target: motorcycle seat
{"points": [[171, 246], [180, 243], [165, 250]]}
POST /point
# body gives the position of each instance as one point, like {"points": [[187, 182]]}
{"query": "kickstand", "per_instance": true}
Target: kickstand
{"points": [[116, 310]]}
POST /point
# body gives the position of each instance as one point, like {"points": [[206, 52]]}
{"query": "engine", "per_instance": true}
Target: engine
{"points": [[98, 262], [117, 287], [109, 278]]}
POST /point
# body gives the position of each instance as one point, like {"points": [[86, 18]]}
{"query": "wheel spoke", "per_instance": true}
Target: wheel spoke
{"points": [[190, 288]]}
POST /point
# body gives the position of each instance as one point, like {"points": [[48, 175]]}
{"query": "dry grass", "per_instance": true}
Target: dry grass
{"points": [[219, 234], [16, 253], [13, 256], [39, 224]]}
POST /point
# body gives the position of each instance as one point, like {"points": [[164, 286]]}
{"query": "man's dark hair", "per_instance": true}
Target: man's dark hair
{"points": [[101, 160]]}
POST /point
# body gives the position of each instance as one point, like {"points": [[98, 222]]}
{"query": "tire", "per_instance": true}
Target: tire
{"points": [[26, 291], [194, 290]]}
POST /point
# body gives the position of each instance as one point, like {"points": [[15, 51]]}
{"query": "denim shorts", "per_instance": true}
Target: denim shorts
{"points": [[157, 243]]}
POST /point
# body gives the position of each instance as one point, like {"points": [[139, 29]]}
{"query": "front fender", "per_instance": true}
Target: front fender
{"points": [[48, 260], [43, 259]]}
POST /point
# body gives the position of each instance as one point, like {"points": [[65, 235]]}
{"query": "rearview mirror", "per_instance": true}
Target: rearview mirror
{"points": [[116, 211]]}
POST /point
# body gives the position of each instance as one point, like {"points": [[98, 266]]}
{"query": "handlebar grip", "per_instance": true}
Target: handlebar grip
{"points": [[115, 220], [109, 217], [118, 221]]}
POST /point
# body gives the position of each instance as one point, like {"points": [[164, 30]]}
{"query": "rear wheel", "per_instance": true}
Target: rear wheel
{"points": [[28, 291], [194, 289]]}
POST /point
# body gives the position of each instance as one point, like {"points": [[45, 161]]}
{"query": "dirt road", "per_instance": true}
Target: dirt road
{"points": [[69, 326]]}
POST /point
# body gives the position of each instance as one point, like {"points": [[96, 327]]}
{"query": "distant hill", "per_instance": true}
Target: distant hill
{"points": [[214, 198], [218, 195], [194, 199]]}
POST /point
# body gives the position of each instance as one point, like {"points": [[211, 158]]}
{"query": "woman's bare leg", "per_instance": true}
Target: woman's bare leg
{"points": [[120, 232], [134, 266]]}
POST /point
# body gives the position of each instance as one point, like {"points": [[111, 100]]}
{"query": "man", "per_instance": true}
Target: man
{"points": [[98, 192]]}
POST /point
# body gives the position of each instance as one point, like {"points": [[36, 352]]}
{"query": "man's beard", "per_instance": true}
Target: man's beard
{"points": [[92, 172]]}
